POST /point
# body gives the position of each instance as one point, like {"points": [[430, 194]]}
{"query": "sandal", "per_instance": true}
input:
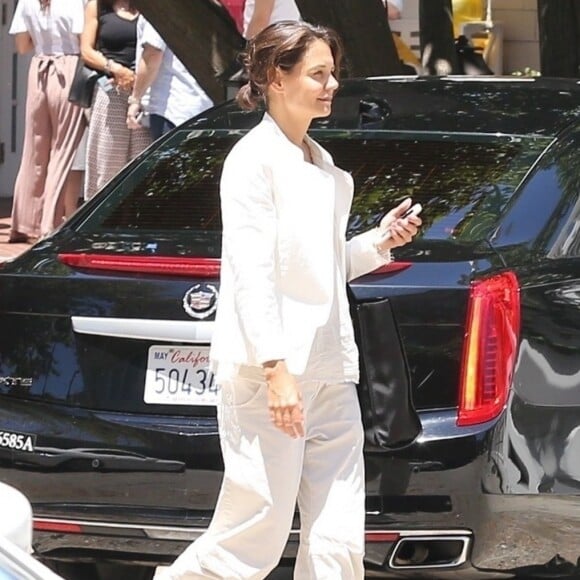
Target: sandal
{"points": [[17, 238]]}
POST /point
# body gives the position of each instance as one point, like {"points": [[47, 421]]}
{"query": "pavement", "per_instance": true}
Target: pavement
{"points": [[8, 251]]}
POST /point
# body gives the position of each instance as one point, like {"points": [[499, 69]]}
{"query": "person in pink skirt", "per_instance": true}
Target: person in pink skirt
{"points": [[47, 189]]}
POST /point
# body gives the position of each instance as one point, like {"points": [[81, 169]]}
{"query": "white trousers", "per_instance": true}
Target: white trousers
{"points": [[266, 472]]}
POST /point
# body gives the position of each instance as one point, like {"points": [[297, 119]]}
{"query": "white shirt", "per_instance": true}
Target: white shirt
{"points": [[283, 10], [175, 94], [282, 292], [334, 354], [55, 30]]}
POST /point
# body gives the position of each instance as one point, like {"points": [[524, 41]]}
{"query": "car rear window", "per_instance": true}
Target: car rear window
{"points": [[462, 183]]}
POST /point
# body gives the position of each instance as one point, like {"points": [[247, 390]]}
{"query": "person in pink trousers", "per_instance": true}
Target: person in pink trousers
{"points": [[47, 189]]}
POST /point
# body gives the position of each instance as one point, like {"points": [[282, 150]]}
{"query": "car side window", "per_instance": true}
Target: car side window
{"points": [[566, 243], [174, 189]]}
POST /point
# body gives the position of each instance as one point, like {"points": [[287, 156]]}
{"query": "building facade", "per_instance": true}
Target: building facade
{"points": [[13, 77]]}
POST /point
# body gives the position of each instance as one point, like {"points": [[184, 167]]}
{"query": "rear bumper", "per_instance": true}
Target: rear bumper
{"points": [[447, 483]]}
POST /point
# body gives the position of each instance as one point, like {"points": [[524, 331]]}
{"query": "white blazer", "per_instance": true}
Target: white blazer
{"points": [[278, 248]]}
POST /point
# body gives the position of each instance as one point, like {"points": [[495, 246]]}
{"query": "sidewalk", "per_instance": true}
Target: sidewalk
{"points": [[8, 251]]}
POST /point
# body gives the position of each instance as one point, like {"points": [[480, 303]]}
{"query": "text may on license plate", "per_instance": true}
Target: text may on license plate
{"points": [[179, 375]]}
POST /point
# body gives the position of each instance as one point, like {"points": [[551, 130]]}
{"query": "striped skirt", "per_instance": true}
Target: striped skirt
{"points": [[110, 143]]}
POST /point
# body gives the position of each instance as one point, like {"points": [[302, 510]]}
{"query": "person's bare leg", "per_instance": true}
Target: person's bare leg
{"points": [[72, 191], [68, 200]]}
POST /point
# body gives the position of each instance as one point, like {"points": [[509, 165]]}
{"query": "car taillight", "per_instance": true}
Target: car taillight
{"points": [[62, 527], [169, 266], [392, 267], [490, 347]]}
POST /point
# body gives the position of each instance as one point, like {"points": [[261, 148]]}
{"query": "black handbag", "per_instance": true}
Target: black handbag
{"points": [[83, 84], [384, 390]]}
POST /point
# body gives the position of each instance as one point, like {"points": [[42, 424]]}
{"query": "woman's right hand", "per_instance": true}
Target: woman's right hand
{"points": [[284, 399]]}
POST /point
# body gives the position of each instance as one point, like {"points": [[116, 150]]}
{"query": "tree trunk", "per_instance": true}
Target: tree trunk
{"points": [[364, 29], [559, 24], [205, 39], [437, 42], [202, 36]]}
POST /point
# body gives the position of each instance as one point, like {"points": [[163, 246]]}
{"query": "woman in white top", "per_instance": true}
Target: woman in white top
{"points": [[283, 347], [47, 189], [260, 13]]}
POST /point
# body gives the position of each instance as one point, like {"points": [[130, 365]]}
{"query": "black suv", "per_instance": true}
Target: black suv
{"points": [[107, 407]]}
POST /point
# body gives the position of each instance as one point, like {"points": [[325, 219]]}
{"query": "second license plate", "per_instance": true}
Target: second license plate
{"points": [[179, 375]]}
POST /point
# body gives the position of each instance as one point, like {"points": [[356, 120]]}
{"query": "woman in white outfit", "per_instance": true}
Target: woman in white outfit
{"points": [[283, 347]]}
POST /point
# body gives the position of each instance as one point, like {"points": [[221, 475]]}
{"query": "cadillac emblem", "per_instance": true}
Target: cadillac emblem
{"points": [[200, 301]]}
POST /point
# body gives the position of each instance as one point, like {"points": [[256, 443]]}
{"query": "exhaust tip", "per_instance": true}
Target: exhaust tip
{"points": [[430, 552]]}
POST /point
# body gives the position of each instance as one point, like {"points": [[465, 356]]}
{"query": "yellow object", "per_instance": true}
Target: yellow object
{"points": [[405, 53], [467, 11]]}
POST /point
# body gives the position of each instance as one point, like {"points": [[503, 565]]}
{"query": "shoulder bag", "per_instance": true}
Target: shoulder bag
{"points": [[82, 87], [384, 390]]}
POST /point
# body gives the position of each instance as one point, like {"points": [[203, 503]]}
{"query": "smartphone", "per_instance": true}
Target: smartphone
{"points": [[143, 119], [105, 83], [413, 210]]}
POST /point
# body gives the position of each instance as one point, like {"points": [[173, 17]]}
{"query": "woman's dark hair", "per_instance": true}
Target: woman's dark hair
{"points": [[280, 46]]}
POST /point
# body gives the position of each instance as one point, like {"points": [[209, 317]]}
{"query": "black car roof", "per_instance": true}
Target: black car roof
{"points": [[507, 105]]}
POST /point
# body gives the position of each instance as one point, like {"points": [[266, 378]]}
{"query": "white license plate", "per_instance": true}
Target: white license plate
{"points": [[179, 375]]}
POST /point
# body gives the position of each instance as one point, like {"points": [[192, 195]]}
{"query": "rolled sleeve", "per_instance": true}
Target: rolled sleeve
{"points": [[152, 38], [249, 245], [362, 255], [18, 24]]}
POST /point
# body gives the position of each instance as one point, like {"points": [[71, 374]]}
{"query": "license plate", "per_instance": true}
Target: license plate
{"points": [[17, 441], [179, 375]]}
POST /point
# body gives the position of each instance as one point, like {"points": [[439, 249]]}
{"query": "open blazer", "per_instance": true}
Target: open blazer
{"points": [[278, 254]]}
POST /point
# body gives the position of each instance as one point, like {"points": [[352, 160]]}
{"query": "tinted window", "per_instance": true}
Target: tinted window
{"points": [[545, 215], [173, 189], [567, 241], [462, 185]]}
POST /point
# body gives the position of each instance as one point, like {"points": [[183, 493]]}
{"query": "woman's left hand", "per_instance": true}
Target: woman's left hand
{"points": [[398, 231]]}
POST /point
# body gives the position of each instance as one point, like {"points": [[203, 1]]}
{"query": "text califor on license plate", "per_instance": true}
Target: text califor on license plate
{"points": [[179, 375]]}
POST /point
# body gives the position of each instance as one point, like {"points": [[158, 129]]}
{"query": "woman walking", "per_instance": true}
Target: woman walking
{"points": [[47, 189], [109, 44], [283, 348]]}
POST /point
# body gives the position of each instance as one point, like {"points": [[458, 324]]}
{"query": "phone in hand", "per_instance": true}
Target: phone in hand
{"points": [[105, 83], [143, 119], [415, 209]]}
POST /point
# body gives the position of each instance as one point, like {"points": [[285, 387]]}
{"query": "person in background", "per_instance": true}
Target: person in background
{"points": [[408, 58], [108, 44], [394, 8], [175, 95], [46, 190], [283, 346], [260, 13], [235, 9]]}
